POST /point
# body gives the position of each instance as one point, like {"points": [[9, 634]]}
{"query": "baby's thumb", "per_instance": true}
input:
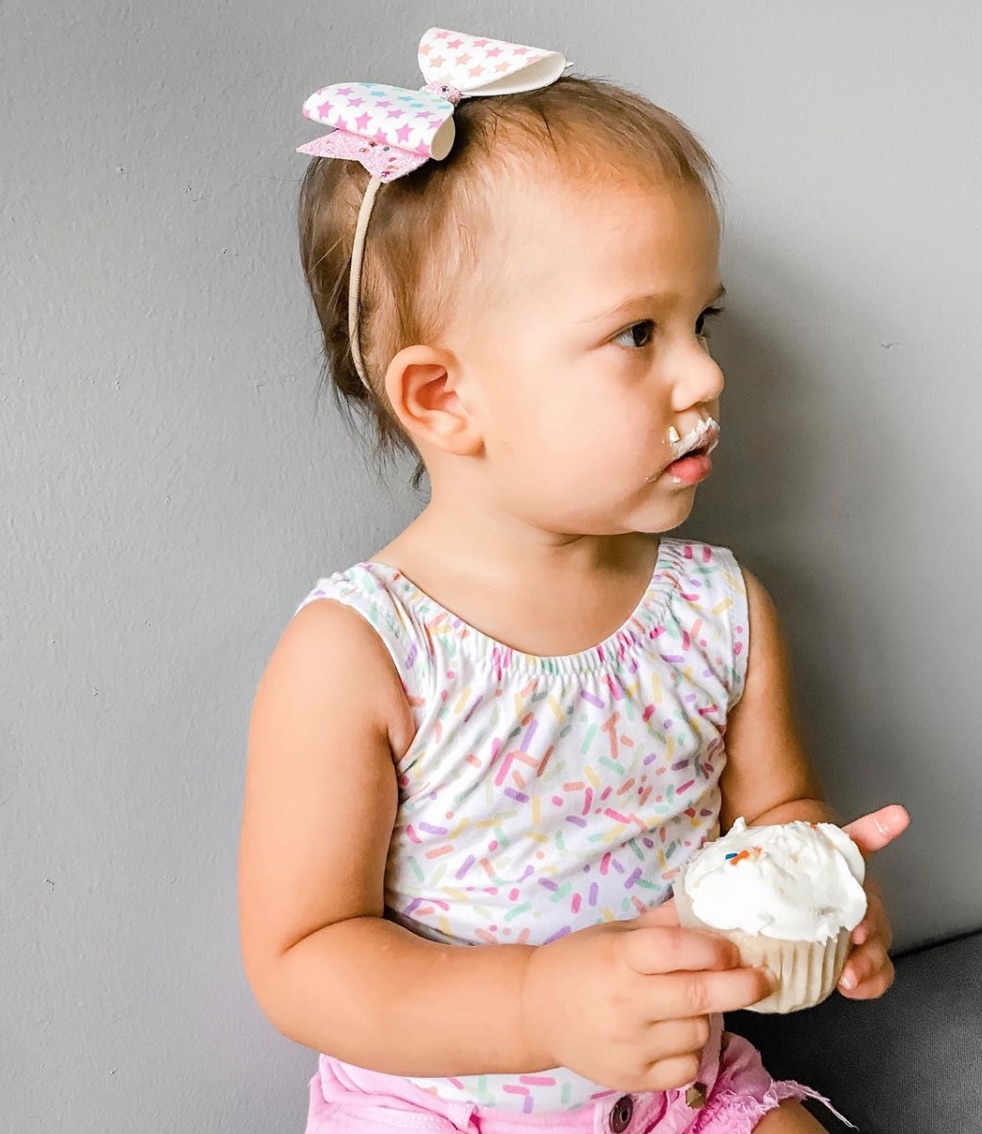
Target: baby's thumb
{"points": [[663, 915], [874, 831]]}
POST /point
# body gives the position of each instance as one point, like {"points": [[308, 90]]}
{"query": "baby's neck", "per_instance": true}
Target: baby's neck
{"points": [[541, 592]]}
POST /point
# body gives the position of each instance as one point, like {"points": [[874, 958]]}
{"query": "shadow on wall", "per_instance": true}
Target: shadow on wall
{"points": [[830, 514]]}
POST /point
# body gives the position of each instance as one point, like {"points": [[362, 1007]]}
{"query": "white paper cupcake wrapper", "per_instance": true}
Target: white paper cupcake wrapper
{"points": [[807, 971]]}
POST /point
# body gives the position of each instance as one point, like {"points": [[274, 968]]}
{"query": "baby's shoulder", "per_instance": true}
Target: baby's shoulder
{"points": [[355, 586], [373, 591], [705, 627], [700, 576]]}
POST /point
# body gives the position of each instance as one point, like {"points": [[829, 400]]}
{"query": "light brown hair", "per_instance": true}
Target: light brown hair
{"points": [[426, 228]]}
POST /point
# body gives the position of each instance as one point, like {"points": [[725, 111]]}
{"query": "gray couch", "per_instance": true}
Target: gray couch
{"points": [[908, 1063]]}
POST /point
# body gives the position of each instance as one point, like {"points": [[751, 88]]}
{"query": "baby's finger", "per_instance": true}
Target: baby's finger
{"points": [[872, 988], [860, 933], [872, 928], [664, 914], [671, 1039], [670, 1074], [677, 995], [664, 949], [863, 964], [883, 932], [874, 831]]}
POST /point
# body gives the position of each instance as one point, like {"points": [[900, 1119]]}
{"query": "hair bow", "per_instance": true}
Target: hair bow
{"points": [[393, 130]]}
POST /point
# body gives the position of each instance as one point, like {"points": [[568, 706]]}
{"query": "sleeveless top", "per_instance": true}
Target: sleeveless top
{"points": [[542, 795]]}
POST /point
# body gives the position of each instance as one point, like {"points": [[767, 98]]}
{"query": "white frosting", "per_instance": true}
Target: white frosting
{"points": [[696, 436], [793, 881]]}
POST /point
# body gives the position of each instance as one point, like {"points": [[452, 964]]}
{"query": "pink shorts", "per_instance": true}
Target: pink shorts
{"points": [[736, 1094]]}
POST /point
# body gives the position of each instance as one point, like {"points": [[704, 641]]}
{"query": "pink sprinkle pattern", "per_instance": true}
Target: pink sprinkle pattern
{"points": [[542, 795]]}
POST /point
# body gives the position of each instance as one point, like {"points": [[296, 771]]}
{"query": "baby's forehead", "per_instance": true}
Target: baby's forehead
{"points": [[558, 220]]}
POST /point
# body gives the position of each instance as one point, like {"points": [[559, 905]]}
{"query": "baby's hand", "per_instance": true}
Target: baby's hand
{"points": [[627, 1004], [869, 970]]}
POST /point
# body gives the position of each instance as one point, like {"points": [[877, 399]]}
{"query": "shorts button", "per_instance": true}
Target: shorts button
{"points": [[621, 1115], [695, 1096]]}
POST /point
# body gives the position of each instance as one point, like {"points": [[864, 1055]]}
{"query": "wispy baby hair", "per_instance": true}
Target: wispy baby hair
{"points": [[424, 244]]}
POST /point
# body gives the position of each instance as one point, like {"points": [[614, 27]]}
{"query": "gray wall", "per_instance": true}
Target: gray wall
{"points": [[170, 487]]}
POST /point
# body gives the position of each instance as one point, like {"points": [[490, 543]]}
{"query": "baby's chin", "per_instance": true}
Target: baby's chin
{"points": [[661, 511], [650, 508], [640, 519]]}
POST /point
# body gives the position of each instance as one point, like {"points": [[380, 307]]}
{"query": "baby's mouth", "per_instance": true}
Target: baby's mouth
{"points": [[691, 463], [698, 442]]}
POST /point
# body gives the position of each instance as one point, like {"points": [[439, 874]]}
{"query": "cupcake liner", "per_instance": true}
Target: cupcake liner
{"points": [[807, 972]]}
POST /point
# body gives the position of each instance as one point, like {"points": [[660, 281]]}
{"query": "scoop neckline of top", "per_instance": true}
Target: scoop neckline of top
{"points": [[609, 647]]}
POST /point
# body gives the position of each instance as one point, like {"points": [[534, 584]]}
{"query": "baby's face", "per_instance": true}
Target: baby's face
{"points": [[589, 351]]}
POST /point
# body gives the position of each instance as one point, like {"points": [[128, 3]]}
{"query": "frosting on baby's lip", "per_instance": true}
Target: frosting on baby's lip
{"points": [[794, 881], [704, 435]]}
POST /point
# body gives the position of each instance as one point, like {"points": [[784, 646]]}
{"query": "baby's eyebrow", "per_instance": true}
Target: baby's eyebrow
{"points": [[647, 298]]}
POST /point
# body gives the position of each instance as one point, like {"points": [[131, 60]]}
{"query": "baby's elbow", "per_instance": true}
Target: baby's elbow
{"points": [[300, 989], [258, 966], [268, 978]]}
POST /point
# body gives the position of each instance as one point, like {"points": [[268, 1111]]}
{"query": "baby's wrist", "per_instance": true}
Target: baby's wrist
{"points": [[534, 1009], [806, 809]]}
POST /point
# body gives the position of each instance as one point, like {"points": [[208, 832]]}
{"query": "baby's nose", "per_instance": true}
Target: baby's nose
{"points": [[698, 378]]}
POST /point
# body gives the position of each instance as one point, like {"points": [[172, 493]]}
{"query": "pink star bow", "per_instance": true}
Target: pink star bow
{"points": [[396, 129]]}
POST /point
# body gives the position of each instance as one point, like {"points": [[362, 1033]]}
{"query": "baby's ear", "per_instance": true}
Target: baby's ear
{"points": [[423, 387]]}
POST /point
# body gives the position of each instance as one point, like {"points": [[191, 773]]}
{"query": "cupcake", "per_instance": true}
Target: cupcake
{"points": [[787, 895]]}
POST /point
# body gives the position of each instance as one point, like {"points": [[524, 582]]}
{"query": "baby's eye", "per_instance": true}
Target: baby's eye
{"points": [[641, 333], [701, 331], [638, 331]]}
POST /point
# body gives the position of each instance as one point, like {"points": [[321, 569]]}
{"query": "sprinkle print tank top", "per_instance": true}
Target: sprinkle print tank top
{"points": [[542, 795]]}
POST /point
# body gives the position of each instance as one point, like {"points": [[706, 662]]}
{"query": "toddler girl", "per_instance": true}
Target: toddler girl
{"points": [[477, 757]]}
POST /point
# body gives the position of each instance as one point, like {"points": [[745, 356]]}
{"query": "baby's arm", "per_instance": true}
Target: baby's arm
{"points": [[625, 1003], [768, 779], [320, 802]]}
